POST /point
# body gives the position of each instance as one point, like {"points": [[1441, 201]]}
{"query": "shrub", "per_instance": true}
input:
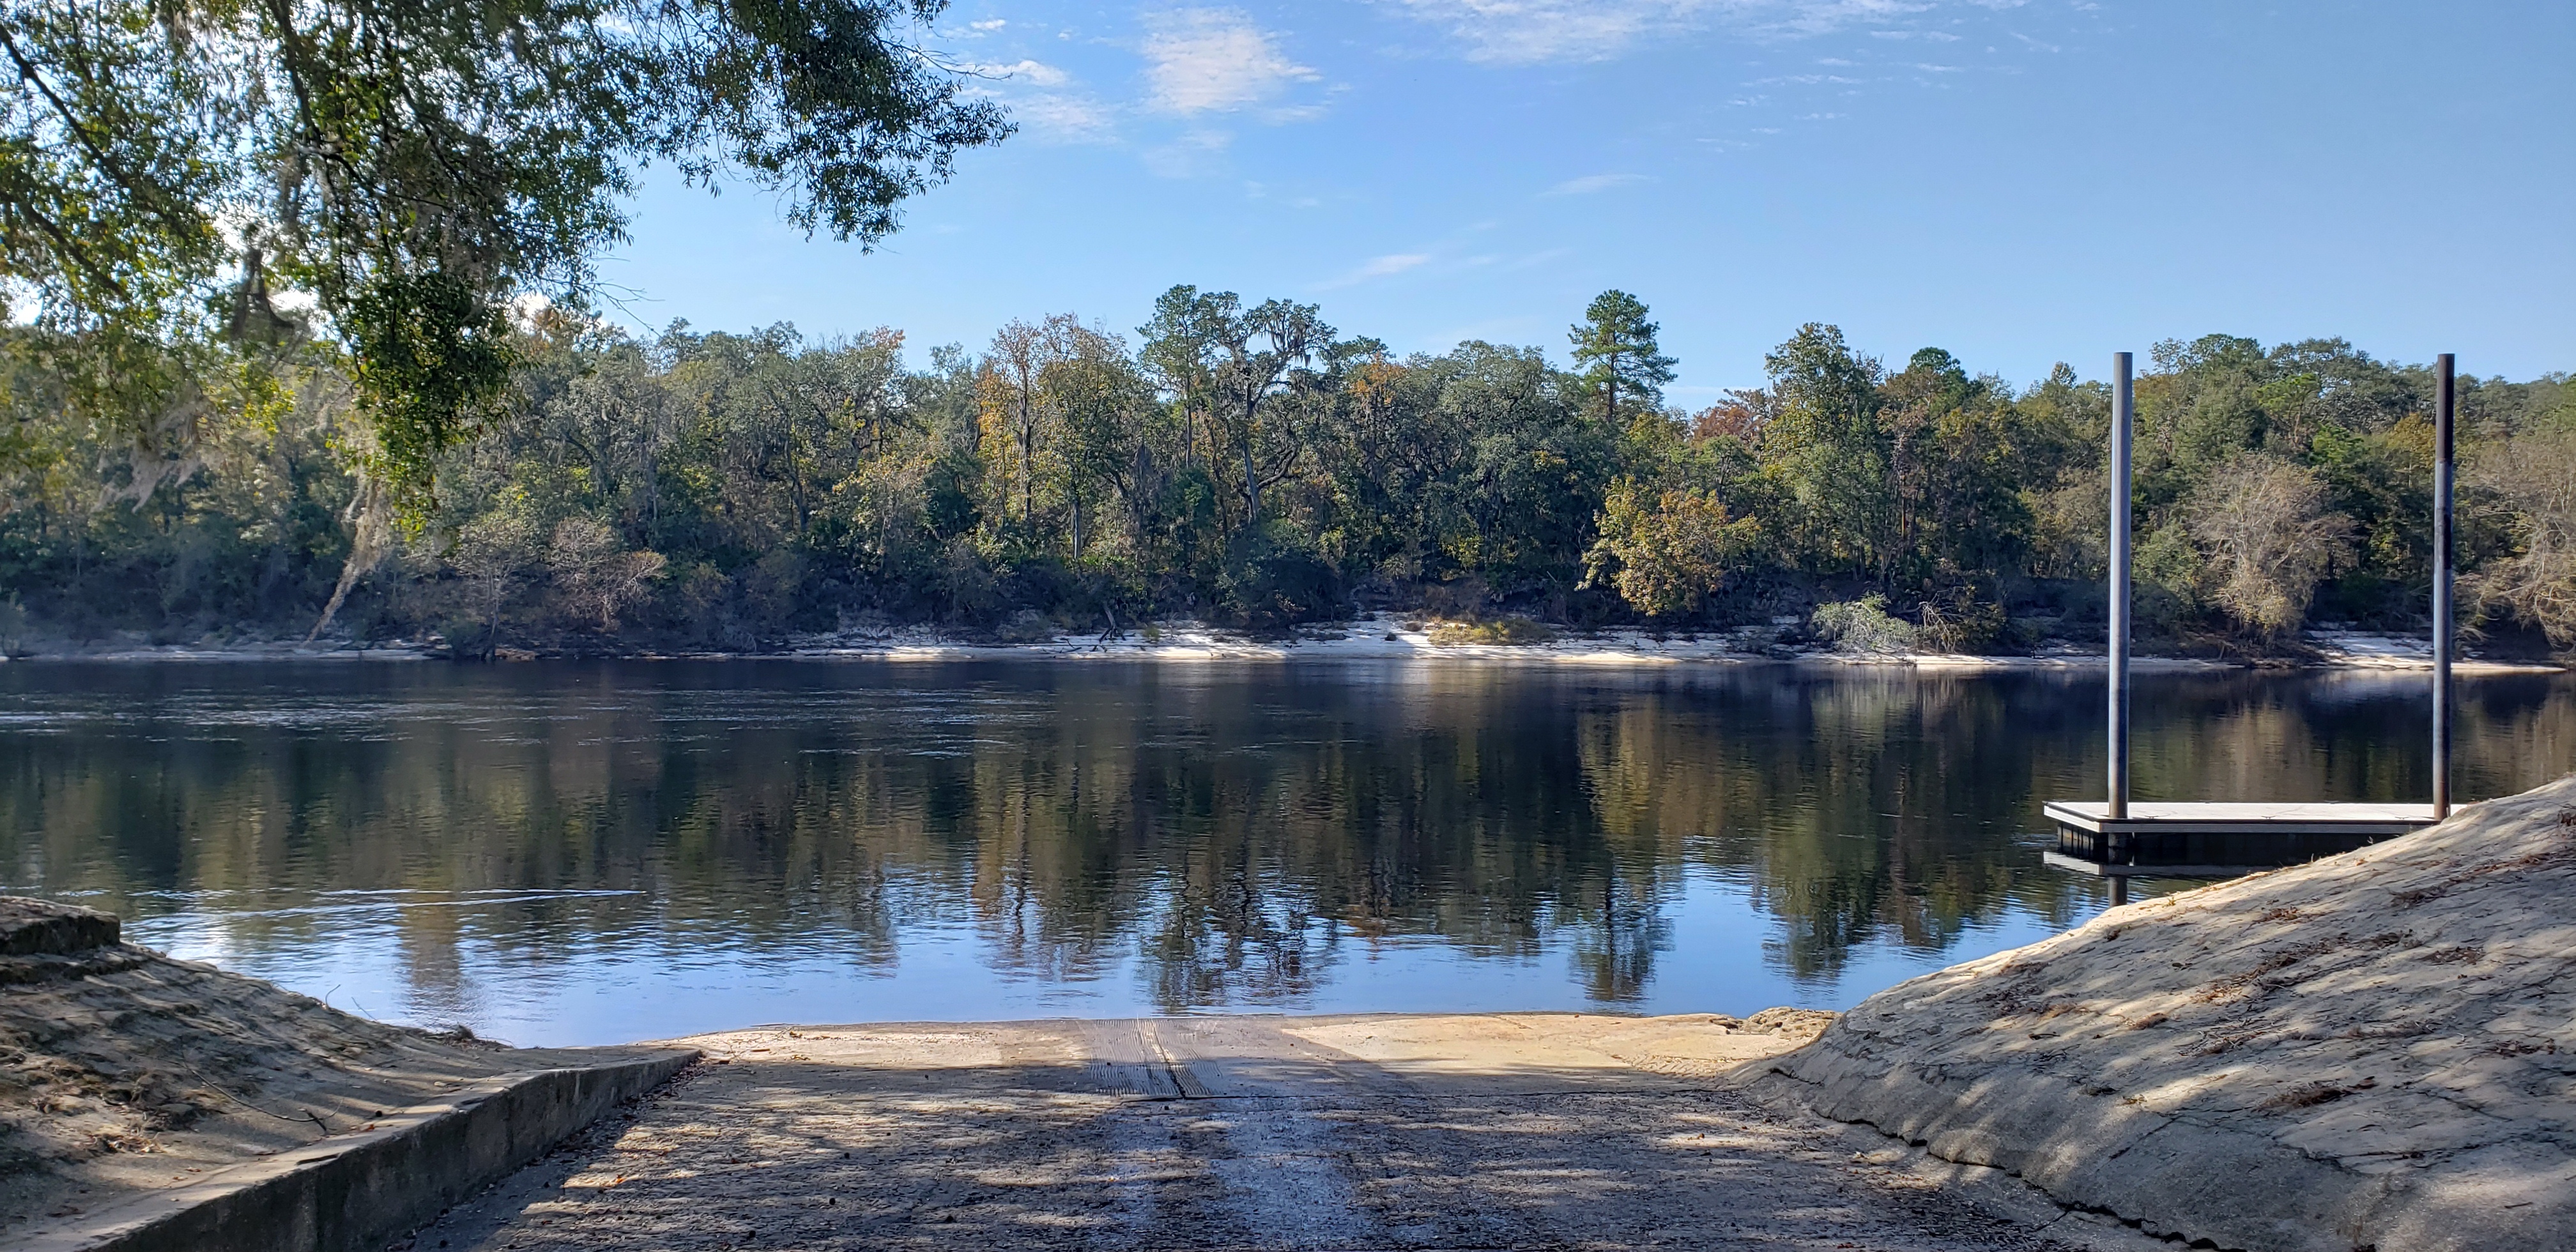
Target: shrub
{"points": [[1863, 625], [1025, 626], [1276, 578], [595, 577], [1961, 621], [1500, 630]]}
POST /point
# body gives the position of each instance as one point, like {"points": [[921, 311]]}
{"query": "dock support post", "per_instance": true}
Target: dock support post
{"points": [[2122, 406], [2443, 405], [2119, 890]]}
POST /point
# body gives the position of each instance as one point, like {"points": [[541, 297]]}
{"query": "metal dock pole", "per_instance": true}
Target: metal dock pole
{"points": [[2443, 405], [2122, 416]]}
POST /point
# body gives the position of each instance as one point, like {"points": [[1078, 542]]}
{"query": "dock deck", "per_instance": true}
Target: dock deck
{"points": [[2217, 839]]}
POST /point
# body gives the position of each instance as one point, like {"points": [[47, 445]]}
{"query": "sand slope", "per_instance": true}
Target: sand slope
{"points": [[2377, 1050], [123, 1071]]}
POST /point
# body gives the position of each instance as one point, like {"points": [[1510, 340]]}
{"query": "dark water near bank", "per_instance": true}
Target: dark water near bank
{"points": [[584, 853]]}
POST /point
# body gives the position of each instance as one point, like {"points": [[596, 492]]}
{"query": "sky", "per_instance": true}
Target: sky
{"points": [[2021, 182]]}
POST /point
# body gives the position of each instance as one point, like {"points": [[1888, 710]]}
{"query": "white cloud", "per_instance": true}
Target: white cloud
{"points": [[1035, 73], [1590, 183], [1067, 117], [1215, 61], [994, 24], [1378, 267], [1393, 263], [1522, 32], [1046, 100]]}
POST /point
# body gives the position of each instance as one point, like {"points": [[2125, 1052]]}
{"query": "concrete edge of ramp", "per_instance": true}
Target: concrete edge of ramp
{"points": [[356, 1192]]}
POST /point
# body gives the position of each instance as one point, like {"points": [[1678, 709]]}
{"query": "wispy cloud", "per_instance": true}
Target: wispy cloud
{"points": [[1047, 101], [1536, 259], [1591, 183], [1377, 267], [1196, 152], [1068, 117], [1522, 32], [1035, 73], [1215, 61]]}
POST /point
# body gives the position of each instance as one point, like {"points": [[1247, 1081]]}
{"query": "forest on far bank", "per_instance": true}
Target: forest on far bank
{"points": [[1252, 465]]}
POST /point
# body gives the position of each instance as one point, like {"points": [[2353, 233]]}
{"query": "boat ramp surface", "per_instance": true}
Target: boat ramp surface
{"points": [[1243, 1132]]}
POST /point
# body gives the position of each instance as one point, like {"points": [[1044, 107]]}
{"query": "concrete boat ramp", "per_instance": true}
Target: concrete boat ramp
{"points": [[1484, 1131]]}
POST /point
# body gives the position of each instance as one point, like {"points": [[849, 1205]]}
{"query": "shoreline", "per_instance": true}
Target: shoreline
{"points": [[1368, 639]]}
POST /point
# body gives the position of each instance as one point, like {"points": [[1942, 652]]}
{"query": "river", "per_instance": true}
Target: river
{"points": [[567, 853]]}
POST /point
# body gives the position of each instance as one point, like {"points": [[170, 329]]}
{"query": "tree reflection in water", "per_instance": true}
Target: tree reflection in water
{"points": [[1233, 834]]}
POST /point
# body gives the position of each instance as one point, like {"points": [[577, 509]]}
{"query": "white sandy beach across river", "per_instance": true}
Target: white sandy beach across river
{"points": [[1376, 638]]}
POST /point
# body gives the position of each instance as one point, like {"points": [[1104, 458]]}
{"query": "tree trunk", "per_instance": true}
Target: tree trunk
{"points": [[371, 534], [1251, 476], [1251, 484], [492, 623]]}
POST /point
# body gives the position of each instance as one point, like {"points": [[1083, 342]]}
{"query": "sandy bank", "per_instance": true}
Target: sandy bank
{"points": [[2374, 1050], [1370, 639], [1390, 638], [125, 1074]]}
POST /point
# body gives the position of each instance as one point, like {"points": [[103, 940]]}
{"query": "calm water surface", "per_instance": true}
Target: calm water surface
{"points": [[592, 853]]}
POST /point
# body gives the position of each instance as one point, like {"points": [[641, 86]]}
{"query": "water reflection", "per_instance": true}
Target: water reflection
{"points": [[572, 853]]}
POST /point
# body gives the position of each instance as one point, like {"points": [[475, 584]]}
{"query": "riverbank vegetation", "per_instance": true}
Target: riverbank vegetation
{"points": [[424, 429], [1251, 464]]}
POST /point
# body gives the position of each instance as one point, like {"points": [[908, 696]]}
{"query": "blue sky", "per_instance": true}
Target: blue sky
{"points": [[2019, 181]]}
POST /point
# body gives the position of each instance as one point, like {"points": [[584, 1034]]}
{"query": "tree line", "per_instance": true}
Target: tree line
{"points": [[1250, 464], [393, 443]]}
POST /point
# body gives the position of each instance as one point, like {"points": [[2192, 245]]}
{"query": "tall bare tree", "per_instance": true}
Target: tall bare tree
{"points": [[2269, 537]]}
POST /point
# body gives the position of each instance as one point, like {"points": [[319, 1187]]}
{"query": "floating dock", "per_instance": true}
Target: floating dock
{"points": [[2118, 840], [2216, 839]]}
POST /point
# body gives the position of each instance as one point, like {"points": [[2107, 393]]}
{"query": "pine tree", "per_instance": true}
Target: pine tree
{"points": [[1616, 347]]}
